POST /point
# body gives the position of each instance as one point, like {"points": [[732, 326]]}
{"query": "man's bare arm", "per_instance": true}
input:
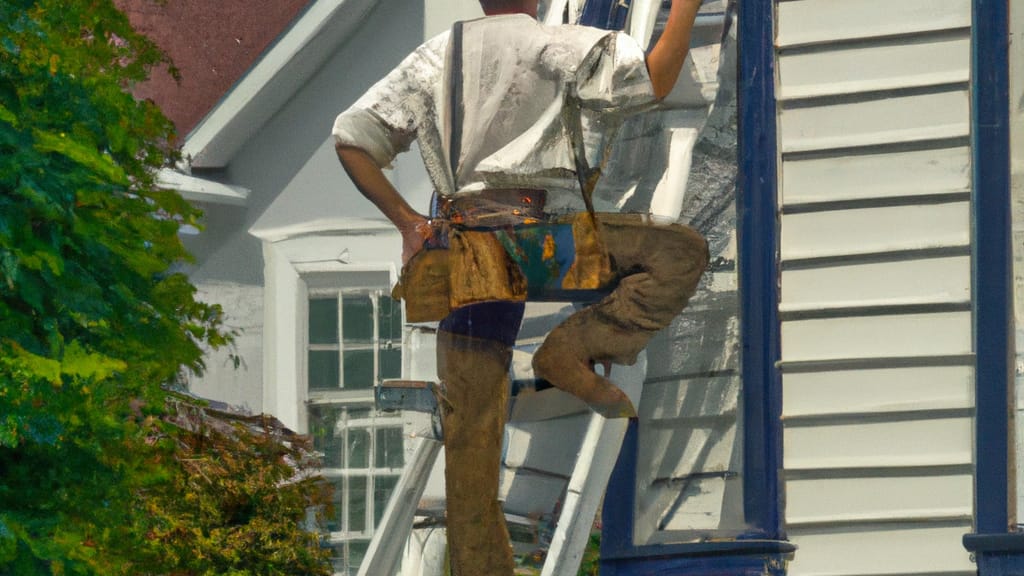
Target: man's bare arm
{"points": [[665, 60], [370, 180]]}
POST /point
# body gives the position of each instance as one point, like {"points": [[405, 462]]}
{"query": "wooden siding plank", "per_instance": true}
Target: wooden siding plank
{"points": [[702, 509], [872, 230], [877, 390], [898, 549], [883, 120], [894, 336], [921, 281], [904, 63], [690, 398], [926, 442], [702, 464], [826, 500], [888, 174], [816, 21], [674, 454]]}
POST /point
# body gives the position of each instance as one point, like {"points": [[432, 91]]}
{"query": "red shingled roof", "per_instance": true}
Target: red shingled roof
{"points": [[213, 44]]}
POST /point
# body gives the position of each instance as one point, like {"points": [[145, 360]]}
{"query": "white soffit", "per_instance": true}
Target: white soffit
{"points": [[285, 67]]}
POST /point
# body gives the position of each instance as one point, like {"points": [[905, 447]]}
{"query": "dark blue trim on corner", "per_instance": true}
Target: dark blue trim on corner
{"points": [[617, 513], [993, 262], [607, 14], [757, 232]]}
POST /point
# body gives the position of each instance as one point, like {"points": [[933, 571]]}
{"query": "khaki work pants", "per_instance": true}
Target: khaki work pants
{"points": [[657, 268]]}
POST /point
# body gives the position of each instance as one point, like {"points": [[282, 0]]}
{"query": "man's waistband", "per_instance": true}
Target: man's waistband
{"points": [[494, 207]]}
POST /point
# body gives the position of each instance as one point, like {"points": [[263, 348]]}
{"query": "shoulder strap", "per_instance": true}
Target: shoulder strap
{"points": [[586, 175], [455, 95]]}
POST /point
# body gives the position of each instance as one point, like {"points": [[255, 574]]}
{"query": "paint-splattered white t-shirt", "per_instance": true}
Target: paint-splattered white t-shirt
{"points": [[518, 77]]}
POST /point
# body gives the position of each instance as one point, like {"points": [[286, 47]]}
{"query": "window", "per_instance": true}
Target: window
{"points": [[354, 341]]}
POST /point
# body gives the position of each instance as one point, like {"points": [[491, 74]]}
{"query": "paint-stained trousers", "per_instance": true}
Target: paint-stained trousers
{"points": [[657, 268]]}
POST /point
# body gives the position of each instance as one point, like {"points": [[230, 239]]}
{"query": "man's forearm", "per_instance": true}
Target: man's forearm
{"points": [[665, 60], [371, 182]]}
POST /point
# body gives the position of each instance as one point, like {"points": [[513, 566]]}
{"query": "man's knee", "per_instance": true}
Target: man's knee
{"points": [[678, 257]]}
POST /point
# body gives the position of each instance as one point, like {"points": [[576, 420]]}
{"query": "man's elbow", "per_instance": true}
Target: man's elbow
{"points": [[661, 88], [662, 83]]}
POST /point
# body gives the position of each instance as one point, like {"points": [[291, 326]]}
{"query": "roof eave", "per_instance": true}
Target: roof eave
{"points": [[272, 81]]}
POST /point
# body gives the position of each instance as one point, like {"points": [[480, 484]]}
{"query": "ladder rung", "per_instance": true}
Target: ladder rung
{"points": [[416, 395]]}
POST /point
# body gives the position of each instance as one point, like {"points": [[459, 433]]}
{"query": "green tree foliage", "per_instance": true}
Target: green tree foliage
{"points": [[94, 319]]}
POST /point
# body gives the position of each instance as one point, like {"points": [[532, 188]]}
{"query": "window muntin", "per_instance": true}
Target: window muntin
{"points": [[354, 340]]}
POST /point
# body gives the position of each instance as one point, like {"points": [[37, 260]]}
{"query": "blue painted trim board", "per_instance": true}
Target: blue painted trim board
{"points": [[607, 14], [757, 231], [766, 565], [993, 262]]}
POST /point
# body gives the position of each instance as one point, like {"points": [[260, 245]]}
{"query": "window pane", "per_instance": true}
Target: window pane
{"points": [[390, 452], [332, 519], [383, 486], [390, 319], [358, 369], [338, 563], [357, 318], [358, 448], [356, 552], [356, 504], [323, 321], [323, 428], [347, 556], [323, 370], [390, 363]]}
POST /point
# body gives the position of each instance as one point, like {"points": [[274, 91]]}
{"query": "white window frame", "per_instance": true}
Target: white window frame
{"points": [[292, 256]]}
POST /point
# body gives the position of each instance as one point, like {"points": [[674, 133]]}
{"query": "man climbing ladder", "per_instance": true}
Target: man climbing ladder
{"points": [[494, 105]]}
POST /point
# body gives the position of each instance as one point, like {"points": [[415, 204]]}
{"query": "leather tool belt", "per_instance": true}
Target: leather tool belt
{"points": [[500, 245]]}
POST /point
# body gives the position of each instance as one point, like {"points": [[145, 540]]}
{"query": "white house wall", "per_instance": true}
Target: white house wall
{"points": [[875, 284], [294, 178]]}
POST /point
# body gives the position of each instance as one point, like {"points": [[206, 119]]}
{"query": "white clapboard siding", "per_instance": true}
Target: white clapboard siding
{"points": [[872, 230], [895, 443], [882, 174], [689, 398], [884, 336], [920, 281], [912, 548], [703, 509], [878, 120], [878, 390], [875, 288], [897, 63], [677, 506], [916, 495], [694, 450], [830, 21]]}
